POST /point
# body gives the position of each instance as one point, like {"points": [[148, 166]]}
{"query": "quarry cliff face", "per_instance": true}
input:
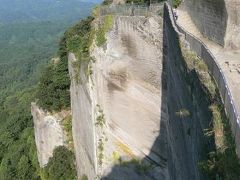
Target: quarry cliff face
{"points": [[219, 20], [138, 112], [117, 110], [129, 108], [83, 121], [187, 143], [232, 38], [49, 133]]}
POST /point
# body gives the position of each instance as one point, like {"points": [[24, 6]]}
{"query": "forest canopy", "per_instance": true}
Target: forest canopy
{"points": [[53, 90], [61, 165], [29, 39]]}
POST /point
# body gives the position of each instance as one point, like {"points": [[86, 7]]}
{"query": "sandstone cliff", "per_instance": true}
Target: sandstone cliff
{"points": [[142, 112], [124, 93], [138, 111], [49, 132], [219, 20]]}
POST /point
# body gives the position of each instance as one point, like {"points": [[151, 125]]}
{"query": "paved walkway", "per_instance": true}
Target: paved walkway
{"points": [[229, 60]]}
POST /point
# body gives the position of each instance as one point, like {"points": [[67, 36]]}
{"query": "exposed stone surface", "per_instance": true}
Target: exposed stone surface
{"points": [[187, 142], [137, 93], [132, 67], [232, 39], [228, 59], [126, 86], [48, 132], [141, 101], [83, 125], [118, 1], [219, 20]]}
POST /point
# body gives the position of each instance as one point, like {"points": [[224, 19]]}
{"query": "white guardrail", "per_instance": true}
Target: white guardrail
{"points": [[215, 70]]}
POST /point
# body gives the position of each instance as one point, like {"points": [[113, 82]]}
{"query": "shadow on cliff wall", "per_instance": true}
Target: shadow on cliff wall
{"points": [[181, 143], [154, 165]]}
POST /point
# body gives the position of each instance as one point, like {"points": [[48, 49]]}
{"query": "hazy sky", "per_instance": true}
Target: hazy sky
{"points": [[96, 1]]}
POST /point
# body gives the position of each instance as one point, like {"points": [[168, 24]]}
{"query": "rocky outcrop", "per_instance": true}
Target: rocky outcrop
{"points": [[48, 132], [217, 19]]}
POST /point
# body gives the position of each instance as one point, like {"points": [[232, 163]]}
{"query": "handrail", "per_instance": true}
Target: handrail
{"points": [[213, 65], [225, 93], [130, 9], [213, 57]]}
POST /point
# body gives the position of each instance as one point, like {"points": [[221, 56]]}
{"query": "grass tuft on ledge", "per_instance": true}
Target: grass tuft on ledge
{"points": [[104, 28], [222, 163]]}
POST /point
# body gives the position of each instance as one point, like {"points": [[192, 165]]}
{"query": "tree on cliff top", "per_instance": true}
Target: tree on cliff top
{"points": [[53, 90]]}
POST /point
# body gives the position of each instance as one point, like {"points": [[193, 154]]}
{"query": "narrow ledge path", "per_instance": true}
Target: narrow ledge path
{"points": [[229, 60]]}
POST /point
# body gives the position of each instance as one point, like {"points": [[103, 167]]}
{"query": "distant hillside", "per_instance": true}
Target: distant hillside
{"points": [[30, 31], [38, 10]]}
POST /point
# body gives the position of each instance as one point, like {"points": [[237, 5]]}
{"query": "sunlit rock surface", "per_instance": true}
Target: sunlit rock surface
{"points": [[48, 132]]}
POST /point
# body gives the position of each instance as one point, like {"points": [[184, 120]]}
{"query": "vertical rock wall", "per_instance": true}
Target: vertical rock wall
{"points": [[124, 92], [232, 39], [128, 75], [210, 17], [48, 132], [140, 109], [83, 125], [219, 20], [187, 143]]}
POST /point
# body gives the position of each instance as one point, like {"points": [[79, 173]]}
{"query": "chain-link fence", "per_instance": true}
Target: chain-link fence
{"points": [[132, 10], [215, 70]]}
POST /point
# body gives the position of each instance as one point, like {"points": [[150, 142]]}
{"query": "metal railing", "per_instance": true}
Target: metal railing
{"points": [[132, 10], [216, 72], [196, 45]]}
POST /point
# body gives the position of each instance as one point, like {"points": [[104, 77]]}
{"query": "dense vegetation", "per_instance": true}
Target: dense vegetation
{"points": [[60, 166], [103, 29], [25, 48], [18, 152], [176, 3], [19, 11], [107, 2], [79, 40], [27, 43], [53, 90]]}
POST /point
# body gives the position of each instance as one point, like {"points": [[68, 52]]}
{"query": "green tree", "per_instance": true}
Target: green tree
{"points": [[61, 166]]}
